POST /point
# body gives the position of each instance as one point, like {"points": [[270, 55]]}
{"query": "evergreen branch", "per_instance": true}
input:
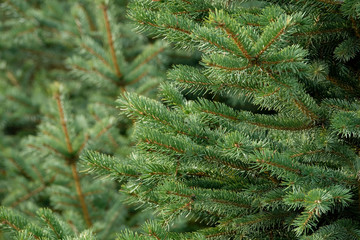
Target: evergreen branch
{"points": [[99, 161], [94, 70], [94, 164], [17, 228], [52, 149], [305, 110], [137, 197], [248, 206], [229, 68], [220, 114], [164, 145], [47, 133], [33, 146], [199, 174], [110, 41], [271, 75], [92, 52], [186, 205], [307, 153], [144, 111], [267, 66], [72, 162], [153, 234], [229, 164], [68, 195], [49, 223], [235, 39], [178, 29], [73, 227], [317, 151], [29, 195], [166, 27], [149, 23], [79, 27], [83, 144], [111, 222], [63, 122], [233, 232], [148, 59], [153, 116], [19, 223], [88, 18], [278, 62], [178, 194], [138, 78], [104, 130], [271, 42], [37, 172], [264, 217], [11, 225], [194, 82], [310, 215], [295, 128], [80, 194], [220, 46], [277, 165], [342, 85], [55, 30], [275, 181], [159, 173], [93, 193], [96, 117], [20, 169], [187, 12], [21, 101], [272, 93], [218, 86], [53, 228], [112, 140]]}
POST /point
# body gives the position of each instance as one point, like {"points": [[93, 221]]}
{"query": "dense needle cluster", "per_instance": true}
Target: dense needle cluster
{"points": [[262, 140]]}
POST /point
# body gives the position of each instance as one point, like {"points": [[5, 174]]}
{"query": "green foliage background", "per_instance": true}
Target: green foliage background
{"points": [[254, 135], [63, 64]]}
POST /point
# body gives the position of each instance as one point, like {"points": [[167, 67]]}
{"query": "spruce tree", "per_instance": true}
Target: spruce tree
{"points": [[63, 65], [262, 140]]}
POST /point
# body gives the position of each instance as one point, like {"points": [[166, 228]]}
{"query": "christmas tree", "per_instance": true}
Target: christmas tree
{"points": [[262, 140], [258, 141]]}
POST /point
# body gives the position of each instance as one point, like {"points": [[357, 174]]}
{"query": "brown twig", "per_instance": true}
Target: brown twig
{"points": [[110, 41], [80, 194], [63, 122], [73, 163], [29, 195]]}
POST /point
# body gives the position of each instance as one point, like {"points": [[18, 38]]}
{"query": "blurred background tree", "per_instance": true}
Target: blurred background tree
{"points": [[63, 64]]}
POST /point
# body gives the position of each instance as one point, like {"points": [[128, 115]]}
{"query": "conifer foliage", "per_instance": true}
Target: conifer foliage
{"points": [[63, 65], [261, 141]]}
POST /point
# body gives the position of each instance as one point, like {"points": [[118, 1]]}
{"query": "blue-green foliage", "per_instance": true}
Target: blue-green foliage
{"points": [[62, 66], [284, 168]]}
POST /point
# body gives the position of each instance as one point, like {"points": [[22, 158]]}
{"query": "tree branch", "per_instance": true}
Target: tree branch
{"points": [[80, 194], [110, 41]]}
